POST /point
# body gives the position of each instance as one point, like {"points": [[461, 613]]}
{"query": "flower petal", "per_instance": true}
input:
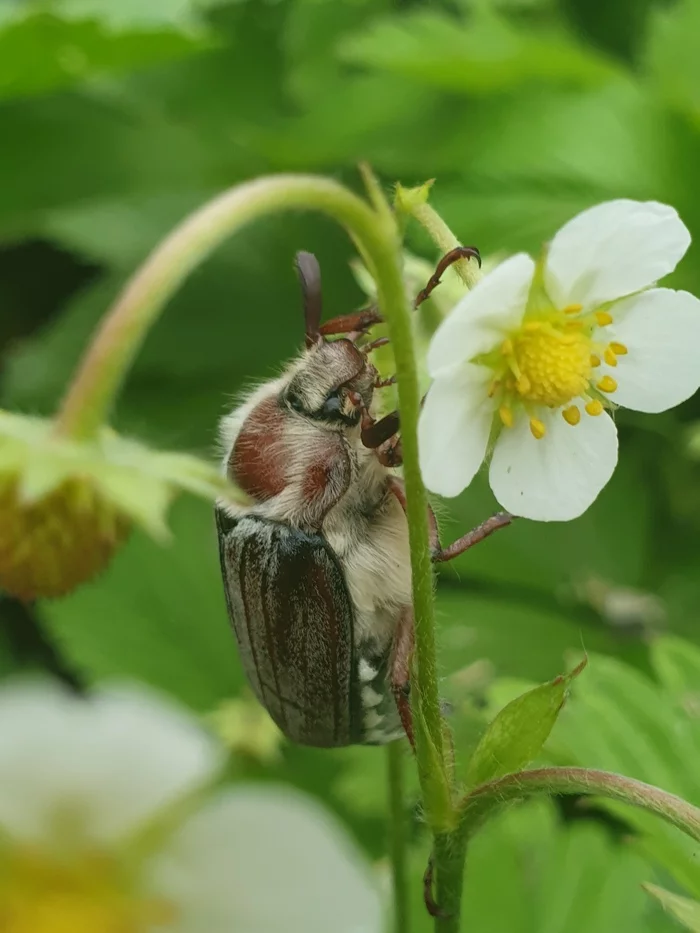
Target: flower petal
{"points": [[661, 330], [257, 860], [558, 477], [453, 428], [477, 323], [110, 761], [612, 250]]}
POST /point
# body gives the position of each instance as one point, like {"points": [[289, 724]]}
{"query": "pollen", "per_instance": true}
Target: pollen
{"points": [[571, 415], [554, 367], [49, 547], [40, 895], [594, 407], [607, 384], [603, 318], [537, 428], [573, 309], [595, 360], [619, 349], [610, 356]]}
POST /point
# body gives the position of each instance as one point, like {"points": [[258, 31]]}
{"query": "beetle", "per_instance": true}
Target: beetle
{"points": [[316, 570]]}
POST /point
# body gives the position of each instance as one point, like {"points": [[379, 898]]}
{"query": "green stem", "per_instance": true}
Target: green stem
{"points": [[397, 832], [449, 854], [487, 799]]}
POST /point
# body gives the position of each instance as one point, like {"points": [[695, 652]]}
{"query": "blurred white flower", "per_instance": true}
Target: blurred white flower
{"points": [[108, 825], [529, 361]]}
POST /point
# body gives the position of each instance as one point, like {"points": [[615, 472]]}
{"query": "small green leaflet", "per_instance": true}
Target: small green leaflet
{"points": [[516, 735], [684, 909]]}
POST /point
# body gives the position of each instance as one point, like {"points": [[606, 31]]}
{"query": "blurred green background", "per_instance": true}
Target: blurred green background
{"points": [[117, 117]]}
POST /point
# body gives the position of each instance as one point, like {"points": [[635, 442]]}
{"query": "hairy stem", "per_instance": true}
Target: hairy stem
{"points": [[488, 798], [449, 854], [397, 833]]}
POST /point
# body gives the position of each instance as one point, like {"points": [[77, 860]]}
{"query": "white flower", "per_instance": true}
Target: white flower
{"points": [[533, 358], [107, 826]]}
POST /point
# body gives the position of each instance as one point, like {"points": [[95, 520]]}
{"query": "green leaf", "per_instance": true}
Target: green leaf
{"points": [[685, 910], [480, 55], [620, 720], [516, 736], [522, 634], [40, 50], [671, 55]]}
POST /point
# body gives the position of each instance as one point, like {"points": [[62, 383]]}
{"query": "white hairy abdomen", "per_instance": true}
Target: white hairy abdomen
{"points": [[373, 550]]}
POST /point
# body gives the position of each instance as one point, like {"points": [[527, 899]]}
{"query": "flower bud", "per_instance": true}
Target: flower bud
{"points": [[49, 547]]}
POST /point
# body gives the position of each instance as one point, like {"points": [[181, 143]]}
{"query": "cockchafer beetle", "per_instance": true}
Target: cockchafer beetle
{"points": [[316, 570]]}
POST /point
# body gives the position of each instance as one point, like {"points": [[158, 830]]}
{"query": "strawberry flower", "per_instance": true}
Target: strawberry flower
{"points": [[112, 819], [532, 362]]}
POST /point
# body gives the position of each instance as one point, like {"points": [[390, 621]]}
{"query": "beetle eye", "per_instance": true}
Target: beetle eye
{"points": [[331, 406]]}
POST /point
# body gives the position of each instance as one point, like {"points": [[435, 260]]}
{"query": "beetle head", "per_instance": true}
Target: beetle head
{"points": [[333, 384], [334, 381]]}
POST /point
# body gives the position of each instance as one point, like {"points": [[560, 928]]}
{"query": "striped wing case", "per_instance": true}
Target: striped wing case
{"points": [[293, 618]]}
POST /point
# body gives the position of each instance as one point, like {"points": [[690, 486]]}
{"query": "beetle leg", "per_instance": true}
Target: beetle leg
{"points": [[390, 453], [454, 255], [375, 344], [440, 554], [349, 323], [380, 383], [400, 662], [374, 433]]}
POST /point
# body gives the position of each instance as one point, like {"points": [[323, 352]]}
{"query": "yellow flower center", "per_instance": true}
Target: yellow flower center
{"points": [[550, 360], [45, 895], [554, 365]]}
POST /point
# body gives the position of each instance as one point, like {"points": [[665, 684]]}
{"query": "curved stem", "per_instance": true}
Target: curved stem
{"points": [[124, 327], [488, 798], [397, 836]]}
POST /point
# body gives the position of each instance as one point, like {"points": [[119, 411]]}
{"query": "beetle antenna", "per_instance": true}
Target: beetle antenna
{"points": [[309, 273]]}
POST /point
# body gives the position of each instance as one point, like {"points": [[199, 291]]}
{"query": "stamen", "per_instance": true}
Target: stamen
{"points": [[573, 309], [493, 388], [507, 347], [619, 348], [523, 384], [537, 429], [609, 356], [594, 407], [532, 325], [603, 318], [607, 384], [595, 360], [506, 416], [571, 415]]}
